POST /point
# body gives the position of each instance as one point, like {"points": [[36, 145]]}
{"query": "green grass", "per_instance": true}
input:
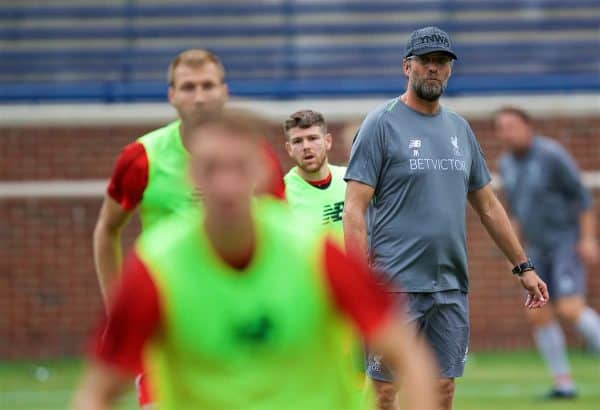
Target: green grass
{"points": [[44, 385], [493, 381], [515, 381]]}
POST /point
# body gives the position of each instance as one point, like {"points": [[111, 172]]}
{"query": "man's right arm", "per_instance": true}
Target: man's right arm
{"points": [[358, 197], [116, 351], [100, 387], [363, 173], [125, 191], [107, 243]]}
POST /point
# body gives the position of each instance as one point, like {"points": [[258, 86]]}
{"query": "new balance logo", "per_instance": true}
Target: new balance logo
{"points": [[333, 212], [414, 144], [255, 332]]}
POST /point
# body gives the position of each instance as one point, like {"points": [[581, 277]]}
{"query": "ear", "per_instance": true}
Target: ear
{"points": [[171, 94], [226, 91], [288, 148], [328, 141], [406, 67]]}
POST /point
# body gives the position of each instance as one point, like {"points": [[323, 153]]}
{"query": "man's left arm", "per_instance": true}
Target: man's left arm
{"points": [[496, 222], [568, 177], [587, 247]]}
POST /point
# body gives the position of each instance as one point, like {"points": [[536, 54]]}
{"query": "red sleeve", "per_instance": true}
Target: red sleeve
{"points": [[276, 184], [355, 290], [130, 176], [133, 318]]}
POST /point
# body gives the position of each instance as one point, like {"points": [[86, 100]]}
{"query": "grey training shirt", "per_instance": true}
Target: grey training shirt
{"points": [[545, 194], [421, 168]]}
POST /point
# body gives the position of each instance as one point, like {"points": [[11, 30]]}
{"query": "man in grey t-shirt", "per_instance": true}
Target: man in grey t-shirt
{"points": [[413, 166], [553, 212]]}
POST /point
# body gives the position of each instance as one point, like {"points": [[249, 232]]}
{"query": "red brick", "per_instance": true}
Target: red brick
{"points": [[49, 296]]}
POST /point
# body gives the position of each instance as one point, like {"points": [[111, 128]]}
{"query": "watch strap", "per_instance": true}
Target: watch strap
{"points": [[523, 267]]}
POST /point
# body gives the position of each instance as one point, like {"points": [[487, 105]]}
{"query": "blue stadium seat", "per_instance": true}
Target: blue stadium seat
{"points": [[288, 49]]}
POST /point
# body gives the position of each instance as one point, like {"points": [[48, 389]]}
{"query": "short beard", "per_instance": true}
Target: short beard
{"points": [[428, 92], [316, 169]]}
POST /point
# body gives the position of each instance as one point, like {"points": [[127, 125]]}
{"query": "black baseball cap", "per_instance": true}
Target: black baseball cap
{"points": [[428, 40]]}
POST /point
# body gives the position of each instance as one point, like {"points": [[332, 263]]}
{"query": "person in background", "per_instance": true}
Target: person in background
{"points": [[553, 213], [314, 188]]}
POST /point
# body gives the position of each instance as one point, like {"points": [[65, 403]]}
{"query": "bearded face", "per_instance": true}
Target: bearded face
{"points": [[428, 75]]}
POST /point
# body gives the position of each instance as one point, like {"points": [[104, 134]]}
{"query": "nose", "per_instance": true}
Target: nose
{"points": [[199, 97], [432, 65]]}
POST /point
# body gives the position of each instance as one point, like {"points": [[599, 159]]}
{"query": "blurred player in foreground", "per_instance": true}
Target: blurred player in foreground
{"points": [[554, 215], [232, 307], [413, 166], [151, 174], [314, 188]]}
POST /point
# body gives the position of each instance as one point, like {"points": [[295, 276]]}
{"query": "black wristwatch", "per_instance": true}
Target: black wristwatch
{"points": [[523, 267]]}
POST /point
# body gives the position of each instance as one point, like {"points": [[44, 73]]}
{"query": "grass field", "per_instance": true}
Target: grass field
{"points": [[493, 381]]}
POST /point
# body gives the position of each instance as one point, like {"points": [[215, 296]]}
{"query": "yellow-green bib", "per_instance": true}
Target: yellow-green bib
{"points": [[323, 206], [267, 337], [169, 189]]}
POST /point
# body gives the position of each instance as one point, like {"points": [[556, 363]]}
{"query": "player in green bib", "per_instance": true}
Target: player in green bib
{"points": [[314, 188], [151, 174], [315, 191], [232, 307]]}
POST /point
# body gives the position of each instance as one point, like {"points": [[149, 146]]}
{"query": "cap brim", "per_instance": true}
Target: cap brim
{"points": [[424, 51]]}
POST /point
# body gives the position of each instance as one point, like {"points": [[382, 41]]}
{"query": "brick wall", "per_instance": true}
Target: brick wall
{"points": [[49, 296]]}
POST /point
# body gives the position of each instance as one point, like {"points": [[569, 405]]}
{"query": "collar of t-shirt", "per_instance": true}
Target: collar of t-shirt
{"points": [[322, 183]]}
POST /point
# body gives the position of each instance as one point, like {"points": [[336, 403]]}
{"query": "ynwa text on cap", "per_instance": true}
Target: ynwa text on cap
{"points": [[433, 38]]}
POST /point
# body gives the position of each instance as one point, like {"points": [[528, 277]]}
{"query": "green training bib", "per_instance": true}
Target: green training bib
{"points": [[323, 206], [169, 189], [267, 337]]}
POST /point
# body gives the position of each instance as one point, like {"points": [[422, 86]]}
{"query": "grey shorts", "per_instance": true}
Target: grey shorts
{"points": [[443, 318], [561, 269]]}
